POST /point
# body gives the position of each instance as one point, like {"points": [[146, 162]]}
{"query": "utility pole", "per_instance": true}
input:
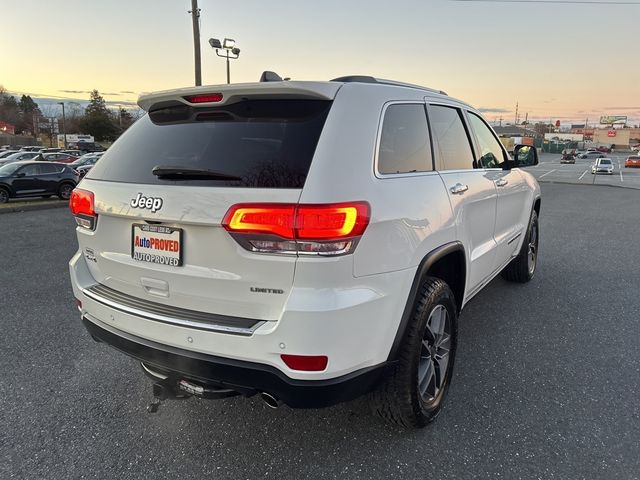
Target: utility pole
{"points": [[64, 125], [195, 20], [500, 120], [516, 119]]}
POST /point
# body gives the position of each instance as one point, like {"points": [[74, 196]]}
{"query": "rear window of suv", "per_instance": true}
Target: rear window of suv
{"points": [[260, 143]]}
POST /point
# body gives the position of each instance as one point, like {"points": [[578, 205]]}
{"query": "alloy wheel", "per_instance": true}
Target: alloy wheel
{"points": [[65, 192], [434, 354], [532, 254]]}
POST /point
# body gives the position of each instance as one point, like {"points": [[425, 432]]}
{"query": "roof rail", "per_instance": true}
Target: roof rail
{"points": [[382, 81]]}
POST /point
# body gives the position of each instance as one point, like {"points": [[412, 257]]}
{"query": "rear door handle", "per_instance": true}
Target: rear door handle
{"points": [[502, 182], [459, 188]]}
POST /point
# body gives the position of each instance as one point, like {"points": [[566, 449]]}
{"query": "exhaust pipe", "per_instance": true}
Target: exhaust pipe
{"points": [[270, 400]]}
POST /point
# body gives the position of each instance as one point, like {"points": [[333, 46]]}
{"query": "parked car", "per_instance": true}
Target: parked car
{"points": [[36, 179], [18, 156], [86, 159], [83, 169], [603, 149], [88, 147], [31, 148], [590, 154], [199, 233], [592, 149], [632, 161], [75, 153], [568, 156], [58, 157], [6, 153], [602, 165]]}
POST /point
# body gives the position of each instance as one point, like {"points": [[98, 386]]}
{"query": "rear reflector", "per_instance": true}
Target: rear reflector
{"points": [[204, 98], [82, 207], [331, 229], [79, 305], [306, 363]]}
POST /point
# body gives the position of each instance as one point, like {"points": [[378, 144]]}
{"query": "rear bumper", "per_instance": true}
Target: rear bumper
{"points": [[352, 324], [246, 377]]}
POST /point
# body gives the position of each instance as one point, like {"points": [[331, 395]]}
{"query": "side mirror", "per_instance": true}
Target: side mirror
{"points": [[20, 174], [525, 156]]}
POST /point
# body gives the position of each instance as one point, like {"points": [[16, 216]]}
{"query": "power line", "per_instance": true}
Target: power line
{"points": [[579, 2]]}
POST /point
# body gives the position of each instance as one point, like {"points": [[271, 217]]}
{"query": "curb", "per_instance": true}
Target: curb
{"points": [[35, 206]]}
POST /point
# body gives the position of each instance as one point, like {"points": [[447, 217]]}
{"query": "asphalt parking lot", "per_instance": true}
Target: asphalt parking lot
{"points": [[551, 170], [546, 384]]}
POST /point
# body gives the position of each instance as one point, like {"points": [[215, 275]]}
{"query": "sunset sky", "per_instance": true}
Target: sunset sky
{"points": [[559, 60]]}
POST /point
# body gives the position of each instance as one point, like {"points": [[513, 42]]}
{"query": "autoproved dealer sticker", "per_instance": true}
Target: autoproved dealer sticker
{"points": [[157, 244]]}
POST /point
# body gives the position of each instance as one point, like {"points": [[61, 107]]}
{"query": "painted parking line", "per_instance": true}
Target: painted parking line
{"points": [[544, 174], [620, 170], [583, 174]]}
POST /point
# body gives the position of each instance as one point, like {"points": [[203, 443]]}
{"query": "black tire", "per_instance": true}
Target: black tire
{"points": [[523, 267], [4, 195], [64, 191], [400, 399]]}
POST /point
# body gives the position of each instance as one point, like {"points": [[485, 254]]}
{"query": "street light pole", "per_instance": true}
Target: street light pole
{"points": [[231, 52], [64, 125]]}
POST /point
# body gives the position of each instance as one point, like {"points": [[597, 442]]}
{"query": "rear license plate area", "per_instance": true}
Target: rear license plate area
{"points": [[156, 244]]}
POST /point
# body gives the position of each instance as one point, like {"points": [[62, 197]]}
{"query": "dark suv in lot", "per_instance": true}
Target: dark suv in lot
{"points": [[36, 179]]}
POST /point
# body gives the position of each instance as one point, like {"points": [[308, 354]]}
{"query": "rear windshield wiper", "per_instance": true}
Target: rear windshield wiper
{"points": [[185, 173]]}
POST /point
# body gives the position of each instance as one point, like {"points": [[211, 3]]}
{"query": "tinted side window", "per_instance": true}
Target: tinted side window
{"points": [[50, 168], [450, 138], [30, 170], [404, 142], [491, 153]]}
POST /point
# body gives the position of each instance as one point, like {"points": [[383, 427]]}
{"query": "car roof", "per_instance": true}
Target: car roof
{"points": [[37, 162]]}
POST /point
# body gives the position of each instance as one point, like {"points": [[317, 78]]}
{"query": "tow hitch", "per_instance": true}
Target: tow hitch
{"points": [[171, 388]]}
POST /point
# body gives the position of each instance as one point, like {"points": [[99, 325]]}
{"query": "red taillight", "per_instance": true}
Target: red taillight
{"points": [[264, 218], [331, 221], [204, 98], [81, 205], [306, 229], [81, 202], [306, 363]]}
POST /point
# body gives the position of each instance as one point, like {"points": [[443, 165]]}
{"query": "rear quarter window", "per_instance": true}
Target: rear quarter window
{"points": [[404, 140], [264, 143]]}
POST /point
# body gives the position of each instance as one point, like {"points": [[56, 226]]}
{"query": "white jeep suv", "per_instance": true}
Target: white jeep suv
{"points": [[309, 242]]}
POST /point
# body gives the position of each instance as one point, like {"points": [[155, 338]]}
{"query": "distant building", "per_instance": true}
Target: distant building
{"points": [[514, 131]]}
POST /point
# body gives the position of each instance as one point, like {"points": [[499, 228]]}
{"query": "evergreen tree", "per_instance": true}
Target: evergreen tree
{"points": [[28, 111], [9, 108], [98, 120]]}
